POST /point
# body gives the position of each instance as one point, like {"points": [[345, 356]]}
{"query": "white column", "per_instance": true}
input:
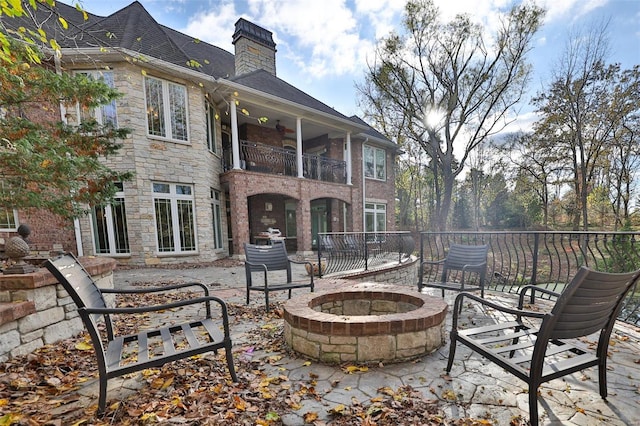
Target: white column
{"points": [[299, 147], [348, 159], [235, 143]]}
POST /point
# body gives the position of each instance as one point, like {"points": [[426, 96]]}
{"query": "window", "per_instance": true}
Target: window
{"points": [[8, 220], [166, 109], [211, 127], [110, 233], [104, 114], [375, 163], [375, 217], [175, 221], [217, 219]]}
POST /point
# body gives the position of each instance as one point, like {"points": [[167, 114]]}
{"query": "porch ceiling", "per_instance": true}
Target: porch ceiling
{"points": [[314, 123]]}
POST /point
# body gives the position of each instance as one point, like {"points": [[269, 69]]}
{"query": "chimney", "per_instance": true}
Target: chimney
{"points": [[254, 48]]}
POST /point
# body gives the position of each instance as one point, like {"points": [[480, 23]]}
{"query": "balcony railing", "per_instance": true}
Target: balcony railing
{"points": [[363, 251], [274, 160], [548, 259]]}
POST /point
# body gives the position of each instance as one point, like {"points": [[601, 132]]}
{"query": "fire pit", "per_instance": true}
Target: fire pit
{"points": [[365, 323]]}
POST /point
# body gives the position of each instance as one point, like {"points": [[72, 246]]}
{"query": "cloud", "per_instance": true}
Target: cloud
{"points": [[214, 27]]}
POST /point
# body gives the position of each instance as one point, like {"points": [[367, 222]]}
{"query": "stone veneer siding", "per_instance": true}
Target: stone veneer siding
{"points": [[157, 159], [362, 329], [35, 310]]}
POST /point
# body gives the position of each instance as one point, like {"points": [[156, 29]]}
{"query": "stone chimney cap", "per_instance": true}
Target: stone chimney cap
{"points": [[253, 32]]}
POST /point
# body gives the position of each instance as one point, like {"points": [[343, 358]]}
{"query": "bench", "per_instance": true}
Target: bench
{"points": [[114, 352]]}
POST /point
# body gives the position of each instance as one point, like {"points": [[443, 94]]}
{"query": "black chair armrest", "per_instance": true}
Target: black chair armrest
{"points": [[156, 289], [304, 262], [516, 312], [254, 265], [474, 266], [534, 289], [156, 308], [432, 262]]}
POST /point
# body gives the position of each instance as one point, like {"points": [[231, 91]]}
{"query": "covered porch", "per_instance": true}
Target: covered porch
{"points": [[299, 208]]}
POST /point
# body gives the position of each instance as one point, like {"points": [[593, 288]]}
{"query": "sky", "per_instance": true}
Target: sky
{"points": [[323, 46]]}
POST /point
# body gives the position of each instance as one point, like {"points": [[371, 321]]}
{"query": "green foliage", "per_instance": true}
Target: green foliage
{"points": [[47, 164]]}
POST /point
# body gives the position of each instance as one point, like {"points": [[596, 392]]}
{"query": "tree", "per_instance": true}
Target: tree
{"points": [[453, 71], [45, 163], [584, 111]]}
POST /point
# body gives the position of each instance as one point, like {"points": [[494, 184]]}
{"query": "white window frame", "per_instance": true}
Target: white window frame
{"points": [[109, 221], [99, 112], [5, 219], [375, 209], [175, 198], [212, 137], [166, 110], [379, 172], [216, 212]]}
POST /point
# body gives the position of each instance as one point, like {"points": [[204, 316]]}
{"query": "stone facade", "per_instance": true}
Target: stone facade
{"points": [[35, 310], [243, 194]]}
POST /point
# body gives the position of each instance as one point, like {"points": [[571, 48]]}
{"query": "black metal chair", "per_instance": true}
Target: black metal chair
{"points": [[539, 351], [267, 259], [466, 259], [114, 353]]}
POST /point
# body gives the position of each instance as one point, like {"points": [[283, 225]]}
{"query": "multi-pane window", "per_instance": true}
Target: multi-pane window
{"points": [[166, 109], [375, 163], [211, 127], [8, 220], [110, 233], [375, 217], [217, 219], [175, 220], [104, 114]]}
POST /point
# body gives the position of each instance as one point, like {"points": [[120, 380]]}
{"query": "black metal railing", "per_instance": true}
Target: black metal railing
{"points": [[363, 251], [549, 259], [270, 159]]}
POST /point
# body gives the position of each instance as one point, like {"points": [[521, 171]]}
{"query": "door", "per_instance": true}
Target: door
{"points": [[318, 221]]}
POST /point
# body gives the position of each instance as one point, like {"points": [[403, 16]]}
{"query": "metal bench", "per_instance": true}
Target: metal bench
{"points": [[178, 341], [267, 259], [539, 351]]}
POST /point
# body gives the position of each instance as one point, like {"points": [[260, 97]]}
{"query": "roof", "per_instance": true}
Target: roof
{"points": [[268, 83], [133, 29], [373, 133]]}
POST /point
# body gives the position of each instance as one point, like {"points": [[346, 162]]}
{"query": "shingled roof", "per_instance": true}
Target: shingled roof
{"points": [[132, 28]]}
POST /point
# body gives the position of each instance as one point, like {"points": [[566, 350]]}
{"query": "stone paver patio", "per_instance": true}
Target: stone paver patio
{"points": [[475, 388]]}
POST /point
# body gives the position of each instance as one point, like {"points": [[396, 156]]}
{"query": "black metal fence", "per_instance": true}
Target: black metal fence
{"points": [[362, 251], [549, 259], [270, 159]]}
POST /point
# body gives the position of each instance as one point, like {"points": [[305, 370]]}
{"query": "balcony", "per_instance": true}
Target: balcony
{"points": [[263, 158]]}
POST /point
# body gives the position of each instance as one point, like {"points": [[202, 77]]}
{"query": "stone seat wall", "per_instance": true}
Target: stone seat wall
{"points": [[35, 310]]}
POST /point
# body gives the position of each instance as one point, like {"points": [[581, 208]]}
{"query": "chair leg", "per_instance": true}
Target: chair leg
{"points": [[533, 405], [602, 376], [247, 296], [452, 350], [289, 293], [102, 398], [230, 366], [266, 299]]}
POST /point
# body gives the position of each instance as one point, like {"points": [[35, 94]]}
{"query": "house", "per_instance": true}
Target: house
{"points": [[222, 149]]}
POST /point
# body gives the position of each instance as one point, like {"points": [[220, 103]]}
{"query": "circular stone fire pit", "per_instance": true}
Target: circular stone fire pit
{"points": [[365, 323]]}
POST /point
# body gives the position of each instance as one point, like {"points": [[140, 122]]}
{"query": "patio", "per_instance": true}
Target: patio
{"points": [[290, 390]]}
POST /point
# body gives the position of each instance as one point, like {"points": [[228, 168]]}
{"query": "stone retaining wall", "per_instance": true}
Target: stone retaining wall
{"points": [[35, 310], [399, 274]]}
